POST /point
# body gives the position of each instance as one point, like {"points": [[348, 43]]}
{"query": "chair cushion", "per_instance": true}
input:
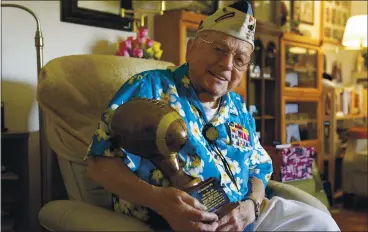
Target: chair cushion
{"points": [[73, 91]]}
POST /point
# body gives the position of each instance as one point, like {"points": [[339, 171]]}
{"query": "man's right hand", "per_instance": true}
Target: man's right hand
{"points": [[182, 211]]}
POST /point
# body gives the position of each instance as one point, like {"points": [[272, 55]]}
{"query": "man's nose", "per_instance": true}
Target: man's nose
{"points": [[226, 62]]}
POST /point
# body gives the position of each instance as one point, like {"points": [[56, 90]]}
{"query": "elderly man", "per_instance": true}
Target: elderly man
{"points": [[200, 91]]}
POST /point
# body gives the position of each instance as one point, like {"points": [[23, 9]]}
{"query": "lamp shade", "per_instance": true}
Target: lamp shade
{"points": [[355, 36]]}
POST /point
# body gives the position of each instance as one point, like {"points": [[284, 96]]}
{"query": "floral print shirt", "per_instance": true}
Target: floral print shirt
{"points": [[237, 141]]}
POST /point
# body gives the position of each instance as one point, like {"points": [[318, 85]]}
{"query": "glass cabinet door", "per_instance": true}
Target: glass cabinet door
{"points": [[300, 67], [301, 121]]}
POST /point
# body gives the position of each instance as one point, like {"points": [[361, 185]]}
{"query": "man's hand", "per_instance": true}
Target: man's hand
{"points": [[238, 218], [182, 211]]}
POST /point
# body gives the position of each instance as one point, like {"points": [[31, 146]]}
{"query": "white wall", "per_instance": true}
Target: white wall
{"points": [[359, 7], [19, 71]]}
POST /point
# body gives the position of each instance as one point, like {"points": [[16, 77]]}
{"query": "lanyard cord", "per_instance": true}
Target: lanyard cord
{"points": [[213, 145], [225, 163]]}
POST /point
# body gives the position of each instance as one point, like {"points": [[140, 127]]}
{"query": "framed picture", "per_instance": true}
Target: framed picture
{"points": [[333, 21], [200, 7], [104, 14], [303, 11]]}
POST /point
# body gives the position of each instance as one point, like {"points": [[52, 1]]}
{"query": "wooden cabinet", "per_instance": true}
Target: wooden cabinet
{"points": [[263, 82], [301, 87], [173, 29], [14, 182]]}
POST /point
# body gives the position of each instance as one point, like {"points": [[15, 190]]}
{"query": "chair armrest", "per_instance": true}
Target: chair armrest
{"points": [[292, 193], [67, 215]]}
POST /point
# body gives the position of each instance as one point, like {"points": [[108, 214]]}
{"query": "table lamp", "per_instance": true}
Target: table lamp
{"points": [[355, 37]]}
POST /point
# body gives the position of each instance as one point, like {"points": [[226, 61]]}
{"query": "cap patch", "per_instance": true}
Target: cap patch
{"points": [[225, 16], [251, 23], [236, 20]]}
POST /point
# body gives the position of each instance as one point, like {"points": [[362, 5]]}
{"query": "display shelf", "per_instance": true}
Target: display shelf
{"points": [[301, 91], [9, 176], [340, 104], [263, 83]]}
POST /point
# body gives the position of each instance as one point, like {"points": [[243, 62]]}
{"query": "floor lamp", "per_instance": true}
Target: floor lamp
{"points": [[44, 151], [356, 38]]}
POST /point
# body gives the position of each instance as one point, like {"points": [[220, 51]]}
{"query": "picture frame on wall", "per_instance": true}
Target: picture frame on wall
{"points": [[103, 14], [199, 7], [304, 11], [334, 18]]}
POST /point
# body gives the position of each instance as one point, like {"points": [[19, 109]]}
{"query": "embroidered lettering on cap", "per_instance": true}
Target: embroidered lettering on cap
{"points": [[225, 16]]}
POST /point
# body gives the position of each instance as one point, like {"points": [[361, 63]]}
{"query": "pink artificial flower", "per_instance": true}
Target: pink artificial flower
{"points": [[123, 52], [141, 42], [137, 52], [126, 53], [149, 42], [126, 44], [135, 44], [142, 32]]}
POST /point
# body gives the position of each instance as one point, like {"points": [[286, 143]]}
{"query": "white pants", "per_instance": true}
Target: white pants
{"points": [[288, 215]]}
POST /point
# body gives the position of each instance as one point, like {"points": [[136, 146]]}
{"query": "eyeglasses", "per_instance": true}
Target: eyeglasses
{"points": [[220, 50]]}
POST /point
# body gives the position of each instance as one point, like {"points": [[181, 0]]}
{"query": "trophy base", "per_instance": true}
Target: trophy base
{"points": [[211, 194]]}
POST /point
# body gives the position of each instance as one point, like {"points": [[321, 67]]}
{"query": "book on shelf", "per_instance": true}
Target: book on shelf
{"points": [[351, 101]]}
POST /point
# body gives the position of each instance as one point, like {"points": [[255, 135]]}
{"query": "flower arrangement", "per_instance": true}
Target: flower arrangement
{"points": [[141, 47]]}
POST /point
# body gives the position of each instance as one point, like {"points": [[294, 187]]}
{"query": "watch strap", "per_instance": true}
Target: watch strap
{"points": [[257, 205]]}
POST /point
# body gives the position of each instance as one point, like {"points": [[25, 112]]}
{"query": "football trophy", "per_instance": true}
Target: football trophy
{"points": [[153, 130]]}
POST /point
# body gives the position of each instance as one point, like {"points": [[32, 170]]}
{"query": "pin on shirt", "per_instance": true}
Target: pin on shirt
{"points": [[239, 135]]}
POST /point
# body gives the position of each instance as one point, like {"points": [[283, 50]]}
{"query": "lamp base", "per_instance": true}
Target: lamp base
{"points": [[360, 63]]}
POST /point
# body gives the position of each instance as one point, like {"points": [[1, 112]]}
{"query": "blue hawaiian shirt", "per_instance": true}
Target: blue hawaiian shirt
{"points": [[237, 141]]}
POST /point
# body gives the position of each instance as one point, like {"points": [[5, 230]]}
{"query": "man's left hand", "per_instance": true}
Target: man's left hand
{"points": [[238, 218]]}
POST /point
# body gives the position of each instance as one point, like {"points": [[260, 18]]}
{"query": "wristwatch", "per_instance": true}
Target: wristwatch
{"points": [[257, 206]]}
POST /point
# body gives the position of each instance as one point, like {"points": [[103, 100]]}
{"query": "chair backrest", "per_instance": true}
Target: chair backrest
{"points": [[72, 93]]}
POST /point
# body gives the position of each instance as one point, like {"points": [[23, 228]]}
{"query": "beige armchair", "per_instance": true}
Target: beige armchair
{"points": [[355, 170], [72, 93]]}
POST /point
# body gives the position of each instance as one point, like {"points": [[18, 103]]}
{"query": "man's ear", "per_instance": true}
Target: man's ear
{"points": [[190, 45]]}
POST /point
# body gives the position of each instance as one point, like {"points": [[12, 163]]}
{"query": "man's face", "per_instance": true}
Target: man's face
{"points": [[215, 75]]}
